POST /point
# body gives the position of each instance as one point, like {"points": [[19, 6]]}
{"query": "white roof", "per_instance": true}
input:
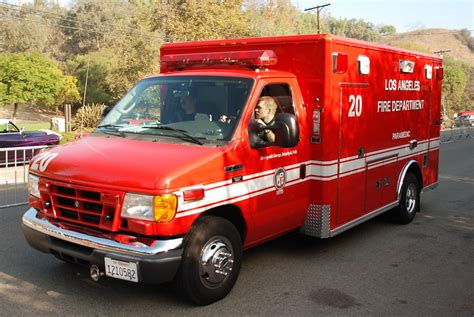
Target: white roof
{"points": [[4, 121]]}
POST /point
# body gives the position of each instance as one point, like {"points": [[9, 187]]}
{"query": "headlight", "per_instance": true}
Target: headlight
{"points": [[33, 185], [160, 208]]}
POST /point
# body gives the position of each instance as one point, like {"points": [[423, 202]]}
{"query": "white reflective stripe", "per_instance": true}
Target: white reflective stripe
{"points": [[321, 178], [252, 185], [250, 176], [321, 171], [352, 165], [323, 162], [434, 143], [345, 159], [384, 151], [407, 152], [234, 200], [224, 193], [352, 172], [237, 189], [414, 154], [400, 151], [381, 163], [230, 200]]}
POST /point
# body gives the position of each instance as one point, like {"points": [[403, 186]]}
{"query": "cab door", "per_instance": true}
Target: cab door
{"points": [[277, 188]]}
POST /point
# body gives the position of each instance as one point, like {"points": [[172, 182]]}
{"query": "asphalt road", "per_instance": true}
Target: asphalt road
{"points": [[377, 268]]}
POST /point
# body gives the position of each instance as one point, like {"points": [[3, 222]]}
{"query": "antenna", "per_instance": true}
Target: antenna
{"points": [[318, 9], [441, 52], [85, 93]]}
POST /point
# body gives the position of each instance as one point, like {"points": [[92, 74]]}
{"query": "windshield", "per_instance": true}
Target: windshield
{"points": [[194, 108], [7, 126]]}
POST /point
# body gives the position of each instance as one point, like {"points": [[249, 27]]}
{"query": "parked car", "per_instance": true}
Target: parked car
{"points": [[13, 137], [468, 120], [458, 122]]}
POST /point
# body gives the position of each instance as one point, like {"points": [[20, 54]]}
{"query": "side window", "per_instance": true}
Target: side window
{"points": [[273, 111], [281, 93]]}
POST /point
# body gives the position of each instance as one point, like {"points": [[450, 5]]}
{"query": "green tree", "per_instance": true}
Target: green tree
{"points": [[134, 58], [112, 71], [29, 78], [95, 67], [468, 96], [272, 17], [387, 29], [91, 25], [454, 85], [187, 20], [306, 23], [31, 28], [353, 28], [69, 93], [466, 37]]}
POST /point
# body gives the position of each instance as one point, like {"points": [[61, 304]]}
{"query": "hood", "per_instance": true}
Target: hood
{"points": [[131, 165]]}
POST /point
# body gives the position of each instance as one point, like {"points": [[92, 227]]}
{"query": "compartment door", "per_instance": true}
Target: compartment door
{"points": [[352, 146]]}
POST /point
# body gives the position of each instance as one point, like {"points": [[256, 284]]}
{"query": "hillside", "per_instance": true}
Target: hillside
{"points": [[434, 40]]}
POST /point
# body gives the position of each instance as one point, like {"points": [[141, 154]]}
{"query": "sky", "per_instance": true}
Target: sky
{"points": [[405, 15]]}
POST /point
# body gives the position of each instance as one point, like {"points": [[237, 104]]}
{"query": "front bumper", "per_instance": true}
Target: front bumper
{"points": [[157, 261]]}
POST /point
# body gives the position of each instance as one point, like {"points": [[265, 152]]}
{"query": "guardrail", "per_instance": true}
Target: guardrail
{"points": [[14, 163]]}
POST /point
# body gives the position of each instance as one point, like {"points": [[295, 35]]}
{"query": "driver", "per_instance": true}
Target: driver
{"points": [[265, 116], [188, 105]]}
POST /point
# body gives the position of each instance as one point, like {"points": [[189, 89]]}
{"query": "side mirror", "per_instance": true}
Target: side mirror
{"points": [[286, 130]]}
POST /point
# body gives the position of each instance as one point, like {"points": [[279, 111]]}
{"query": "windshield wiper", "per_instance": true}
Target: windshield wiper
{"points": [[110, 126], [184, 133], [116, 133]]}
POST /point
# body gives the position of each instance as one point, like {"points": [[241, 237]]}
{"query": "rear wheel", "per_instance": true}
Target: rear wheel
{"points": [[409, 203], [211, 260]]}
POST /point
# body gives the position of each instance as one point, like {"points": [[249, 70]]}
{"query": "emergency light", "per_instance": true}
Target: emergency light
{"points": [[258, 58]]}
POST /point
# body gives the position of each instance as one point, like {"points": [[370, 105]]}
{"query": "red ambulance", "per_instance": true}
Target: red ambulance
{"points": [[178, 178]]}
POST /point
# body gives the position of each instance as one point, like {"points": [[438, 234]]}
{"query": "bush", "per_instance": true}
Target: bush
{"points": [[88, 116], [75, 135]]}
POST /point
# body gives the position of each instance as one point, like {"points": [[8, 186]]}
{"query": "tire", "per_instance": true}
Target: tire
{"points": [[211, 260], [409, 203]]}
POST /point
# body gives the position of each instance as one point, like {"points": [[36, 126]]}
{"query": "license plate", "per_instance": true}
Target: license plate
{"points": [[122, 270]]}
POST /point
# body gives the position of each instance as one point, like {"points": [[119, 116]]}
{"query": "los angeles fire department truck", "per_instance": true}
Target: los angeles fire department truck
{"points": [[155, 194]]}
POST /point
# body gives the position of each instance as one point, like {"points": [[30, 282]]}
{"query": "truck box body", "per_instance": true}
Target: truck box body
{"points": [[356, 133], [383, 130]]}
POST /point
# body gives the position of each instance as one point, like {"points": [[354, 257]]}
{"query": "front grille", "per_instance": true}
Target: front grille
{"points": [[92, 207]]}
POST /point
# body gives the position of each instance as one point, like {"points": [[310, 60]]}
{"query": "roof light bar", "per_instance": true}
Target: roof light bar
{"points": [[259, 58]]}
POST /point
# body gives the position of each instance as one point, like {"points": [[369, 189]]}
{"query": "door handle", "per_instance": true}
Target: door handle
{"points": [[361, 152]]}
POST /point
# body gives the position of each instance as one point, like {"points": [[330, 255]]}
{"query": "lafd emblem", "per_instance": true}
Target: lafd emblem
{"points": [[279, 179]]}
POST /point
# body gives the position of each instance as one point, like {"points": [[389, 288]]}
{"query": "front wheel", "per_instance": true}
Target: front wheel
{"points": [[211, 260], [409, 203]]}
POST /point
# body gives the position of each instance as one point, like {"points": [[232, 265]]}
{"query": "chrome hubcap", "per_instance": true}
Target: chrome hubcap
{"points": [[410, 199], [217, 260]]}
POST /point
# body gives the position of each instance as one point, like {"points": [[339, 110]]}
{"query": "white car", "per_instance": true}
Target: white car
{"points": [[468, 121]]}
